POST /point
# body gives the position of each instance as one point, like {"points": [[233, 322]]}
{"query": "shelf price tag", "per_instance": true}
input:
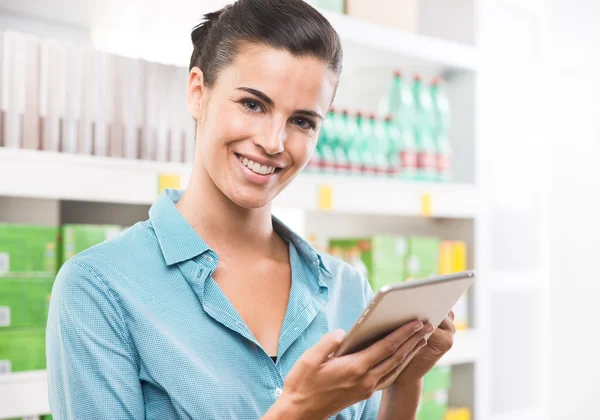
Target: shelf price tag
{"points": [[168, 181], [325, 197], [426, 205]]}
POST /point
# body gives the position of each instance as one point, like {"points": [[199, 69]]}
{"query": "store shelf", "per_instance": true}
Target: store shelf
{"points": [[380, 196], [464, 350], [99, 179], [367, 43], [62, 176], [24, 394]]}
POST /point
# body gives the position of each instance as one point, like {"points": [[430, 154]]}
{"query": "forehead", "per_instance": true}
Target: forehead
{"points": [[302, 82]]}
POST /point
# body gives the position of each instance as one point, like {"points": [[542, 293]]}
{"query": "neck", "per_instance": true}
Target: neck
{"points": [[221, 223]]}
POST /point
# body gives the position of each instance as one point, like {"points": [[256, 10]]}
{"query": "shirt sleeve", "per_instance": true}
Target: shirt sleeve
{"points": [[92, 368], [371, 408]]}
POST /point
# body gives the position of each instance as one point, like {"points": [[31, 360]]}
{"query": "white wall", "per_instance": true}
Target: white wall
{"points": [[575, 139]]}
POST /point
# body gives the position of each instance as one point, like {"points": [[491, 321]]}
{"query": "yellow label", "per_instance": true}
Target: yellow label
{"points": [[325, 197], [426, 205], [460, 256], [168, 181]]}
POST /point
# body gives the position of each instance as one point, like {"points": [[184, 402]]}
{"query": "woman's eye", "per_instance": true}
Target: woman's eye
{"points": [[253, 106], [303, 123]]}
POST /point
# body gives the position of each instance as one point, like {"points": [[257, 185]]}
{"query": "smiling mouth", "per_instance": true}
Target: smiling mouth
{"points": [[256, 167]]}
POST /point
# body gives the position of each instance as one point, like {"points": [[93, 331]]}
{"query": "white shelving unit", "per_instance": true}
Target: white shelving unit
{"points": [[110, 180], [488, 151]]}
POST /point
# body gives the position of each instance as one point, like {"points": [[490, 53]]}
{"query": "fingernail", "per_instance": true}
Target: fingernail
{"points": [[339, 333], [418, 326], [429, 328]]}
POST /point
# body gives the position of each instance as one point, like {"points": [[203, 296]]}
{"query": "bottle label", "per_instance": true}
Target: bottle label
{"points": [[408, 159], [443, 163], [426, 160]]}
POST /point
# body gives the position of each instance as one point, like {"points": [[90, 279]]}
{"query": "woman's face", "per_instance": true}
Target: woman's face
{"points": [[258, 124]]}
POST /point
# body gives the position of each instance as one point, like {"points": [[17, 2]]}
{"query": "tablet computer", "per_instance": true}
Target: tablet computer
{"points": [[428, 300]]}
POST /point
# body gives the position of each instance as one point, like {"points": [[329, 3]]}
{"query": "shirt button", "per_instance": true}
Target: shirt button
{"points": [[278, 392]]}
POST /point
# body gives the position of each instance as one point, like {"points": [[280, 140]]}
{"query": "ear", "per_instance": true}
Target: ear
{"points": [[196, 93]]}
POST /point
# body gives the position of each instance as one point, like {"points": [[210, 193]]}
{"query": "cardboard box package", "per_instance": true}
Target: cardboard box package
{"points": [[28, 250], [423, 257], [383, 257], [24, 302], [77, 238], [22, 350]]}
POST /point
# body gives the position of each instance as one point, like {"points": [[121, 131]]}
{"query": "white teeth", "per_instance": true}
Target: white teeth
{"points": [[257, 167]]}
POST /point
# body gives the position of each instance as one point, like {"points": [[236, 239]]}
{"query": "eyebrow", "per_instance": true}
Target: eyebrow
{"points": [[271, 103]]}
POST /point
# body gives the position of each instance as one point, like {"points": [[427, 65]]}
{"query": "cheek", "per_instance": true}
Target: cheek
{"points": [[301, 149]]}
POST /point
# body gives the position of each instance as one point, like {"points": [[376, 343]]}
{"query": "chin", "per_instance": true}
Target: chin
{"points": [[249, 199]]}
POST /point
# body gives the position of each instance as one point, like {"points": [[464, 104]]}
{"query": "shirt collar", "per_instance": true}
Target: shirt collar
{"points": [[180, 242]]}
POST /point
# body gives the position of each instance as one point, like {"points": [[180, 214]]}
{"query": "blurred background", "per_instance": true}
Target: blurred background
{"points": [[465, 134]]}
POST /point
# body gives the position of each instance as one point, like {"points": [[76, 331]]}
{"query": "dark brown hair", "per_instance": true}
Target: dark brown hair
{"points": [[290, 25]]}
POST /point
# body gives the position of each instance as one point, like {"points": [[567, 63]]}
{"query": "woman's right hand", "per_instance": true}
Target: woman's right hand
{"points": [[319, 386]]}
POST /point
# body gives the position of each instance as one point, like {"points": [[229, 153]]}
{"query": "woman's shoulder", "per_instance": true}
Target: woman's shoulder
{"points": [[129, 251], [349, 279]]}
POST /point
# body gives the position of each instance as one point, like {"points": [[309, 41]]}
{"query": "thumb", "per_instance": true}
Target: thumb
{"points": [[327, 345]]}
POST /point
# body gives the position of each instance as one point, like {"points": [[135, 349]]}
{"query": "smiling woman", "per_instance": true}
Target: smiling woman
{"points": [[212, 308]]}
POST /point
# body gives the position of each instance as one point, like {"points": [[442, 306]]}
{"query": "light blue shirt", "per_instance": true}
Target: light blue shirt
{"points": [[138, 329]]}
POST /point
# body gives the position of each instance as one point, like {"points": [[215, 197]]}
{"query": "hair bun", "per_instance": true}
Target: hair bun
{"points": [[201, 31]]}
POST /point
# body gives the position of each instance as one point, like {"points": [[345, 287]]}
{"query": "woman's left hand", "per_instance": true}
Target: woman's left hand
{"points": [[414, 369]]}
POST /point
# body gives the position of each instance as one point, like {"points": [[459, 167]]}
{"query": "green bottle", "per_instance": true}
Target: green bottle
{"points": [[346, 129], [423, 132], [316, 161], [442, 117], [327, 143], [380, 147], [355, 162], [401, 105], [394, 138], [364, 146]]}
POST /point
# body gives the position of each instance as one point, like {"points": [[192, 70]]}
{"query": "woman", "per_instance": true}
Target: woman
{"points": [[212, 308]]}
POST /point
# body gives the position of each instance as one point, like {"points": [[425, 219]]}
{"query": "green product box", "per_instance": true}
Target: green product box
{"points": [[439, 378], [28, 251], [423, 257], [383, 257], [22, 350], [78, 238], [433, 407], [24, 301]]}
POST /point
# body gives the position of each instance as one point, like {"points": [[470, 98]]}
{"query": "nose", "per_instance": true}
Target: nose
{"points": [[272, 138]]}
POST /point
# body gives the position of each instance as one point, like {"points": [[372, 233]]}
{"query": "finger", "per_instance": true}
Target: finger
{"points": [[451, 315], [326, 345], [391, 376], [391, 363], [387, 346], [447, 325]]}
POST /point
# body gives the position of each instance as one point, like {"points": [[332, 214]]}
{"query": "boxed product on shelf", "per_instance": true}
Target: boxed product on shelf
{"points": [[402, 14], [77, 238], [459, 413], [22, 349], [24, 302], [28, 250], [453, 258], [423, 257], [381, 257], [438, 378], [434, 398]]}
